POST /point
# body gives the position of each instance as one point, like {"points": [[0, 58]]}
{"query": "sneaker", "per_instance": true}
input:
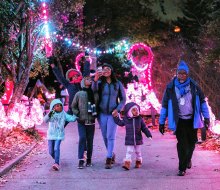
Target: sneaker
{"points": [[55, 167], [88, 163], [181, 173], [81, 164]]}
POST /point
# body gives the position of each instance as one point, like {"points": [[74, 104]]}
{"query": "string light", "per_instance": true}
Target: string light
{"points": [[121, 46], [47, 41]]}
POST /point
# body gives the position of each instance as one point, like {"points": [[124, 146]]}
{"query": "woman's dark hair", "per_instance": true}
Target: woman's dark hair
{"points": [[113, 79]]}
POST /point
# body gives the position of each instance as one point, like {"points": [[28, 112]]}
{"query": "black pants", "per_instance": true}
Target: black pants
{"points": [[86, 136], [187, 137]]}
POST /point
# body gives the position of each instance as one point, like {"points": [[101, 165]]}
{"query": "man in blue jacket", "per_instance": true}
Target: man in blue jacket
{"points": [[184, 104]]}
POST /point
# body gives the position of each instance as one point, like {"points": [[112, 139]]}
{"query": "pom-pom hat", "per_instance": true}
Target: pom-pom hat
{"points": [[72, 72], [183, 66]]}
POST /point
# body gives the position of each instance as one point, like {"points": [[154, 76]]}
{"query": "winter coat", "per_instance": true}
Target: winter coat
{"points": [[56, 122], [134, 126], [170, 106], [109, 96], [80, 107]]}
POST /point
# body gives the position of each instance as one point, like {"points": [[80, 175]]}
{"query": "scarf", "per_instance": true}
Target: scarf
{"points": [[90, 95], [182, 86]]}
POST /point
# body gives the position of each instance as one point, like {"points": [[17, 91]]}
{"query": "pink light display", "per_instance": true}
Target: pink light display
{"points": [[8, 92], [142, 93], [214, 124], [22, 114], [141, 57], [78, 58]]}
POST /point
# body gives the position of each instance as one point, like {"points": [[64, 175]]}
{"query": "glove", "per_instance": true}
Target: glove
{"points": [[51, 113], [206, 123], [162, 128]]}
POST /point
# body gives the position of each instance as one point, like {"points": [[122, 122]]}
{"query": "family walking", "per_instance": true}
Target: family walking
{"points": [[183, 103]]}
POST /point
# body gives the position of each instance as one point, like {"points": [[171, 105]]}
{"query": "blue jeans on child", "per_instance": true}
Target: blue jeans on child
{"points": [[86, 136], [108, 128], [54, 149]]}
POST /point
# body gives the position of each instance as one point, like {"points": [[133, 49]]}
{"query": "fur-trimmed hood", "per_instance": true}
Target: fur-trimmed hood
{"points": [[128, 107]]}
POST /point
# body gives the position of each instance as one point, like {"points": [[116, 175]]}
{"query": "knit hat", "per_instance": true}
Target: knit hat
{"points": [[107, 65], [71, 72], [183, 66]]}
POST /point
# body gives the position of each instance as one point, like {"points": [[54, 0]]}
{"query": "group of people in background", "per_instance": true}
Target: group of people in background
{"points": [[103, 97]]}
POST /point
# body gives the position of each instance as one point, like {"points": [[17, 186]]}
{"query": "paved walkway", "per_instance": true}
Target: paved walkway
{"points": [[158, 172]]}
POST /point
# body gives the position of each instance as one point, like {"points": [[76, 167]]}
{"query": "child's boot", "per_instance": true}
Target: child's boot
{"points": [[126, 165], [56, 167], [138, 164]]}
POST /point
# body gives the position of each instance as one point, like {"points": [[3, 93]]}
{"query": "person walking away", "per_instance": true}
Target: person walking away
{"points": [[112, 98], [84, 107], [184, 104], [55, 133], [134, 125]]}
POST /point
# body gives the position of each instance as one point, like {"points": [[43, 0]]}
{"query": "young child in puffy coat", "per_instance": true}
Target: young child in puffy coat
{"points": [[134, 127], [55, 133]]}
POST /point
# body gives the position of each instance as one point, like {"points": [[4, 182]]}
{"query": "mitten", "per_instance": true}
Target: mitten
{"points": [[51, 113], [206, 123], [162, 128]]}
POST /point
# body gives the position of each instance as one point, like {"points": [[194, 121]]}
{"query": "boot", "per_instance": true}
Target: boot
{"points": [[113, 158], [126, 165], [138, 164], [108, 164]]}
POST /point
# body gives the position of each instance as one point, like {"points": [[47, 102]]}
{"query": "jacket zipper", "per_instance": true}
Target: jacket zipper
{"points": [[134, 131], [109, 88]]}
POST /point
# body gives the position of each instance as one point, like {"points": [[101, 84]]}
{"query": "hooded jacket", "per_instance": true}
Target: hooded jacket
{"points": [[134, 126], [56, 122], [80, 107], [109, 96], [170, 107]]}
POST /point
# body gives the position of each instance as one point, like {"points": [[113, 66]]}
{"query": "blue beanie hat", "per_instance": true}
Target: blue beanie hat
{"points": [[183, 66]]}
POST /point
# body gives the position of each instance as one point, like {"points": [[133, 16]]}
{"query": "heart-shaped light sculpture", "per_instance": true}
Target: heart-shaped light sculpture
{"points": [[78, 58], [141, 57]]}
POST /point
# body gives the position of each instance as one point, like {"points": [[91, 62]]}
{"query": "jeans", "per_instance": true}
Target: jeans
{"points": [[187, 137], [86, 136], [130, 150], [108, 128], [54, 149]]}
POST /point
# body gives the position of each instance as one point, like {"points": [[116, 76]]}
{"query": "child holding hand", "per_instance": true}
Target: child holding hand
{"points": [[134, 127], [55, 133]]}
